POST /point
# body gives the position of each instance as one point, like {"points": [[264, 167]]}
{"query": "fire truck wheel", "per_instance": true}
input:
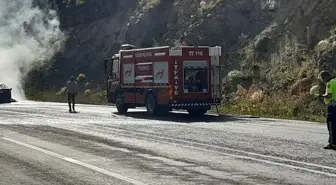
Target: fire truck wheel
{"points": [[197, 112], [151, 104], [121, 107]]}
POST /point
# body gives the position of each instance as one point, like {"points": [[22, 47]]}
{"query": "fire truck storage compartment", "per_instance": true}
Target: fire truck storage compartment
{"points": [[196, 76]]}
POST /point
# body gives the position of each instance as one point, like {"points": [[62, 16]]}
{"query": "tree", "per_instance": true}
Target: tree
{"points": [[81, 81]]}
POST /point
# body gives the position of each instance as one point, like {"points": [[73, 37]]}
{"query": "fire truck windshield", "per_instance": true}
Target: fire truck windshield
{"points": [[112, 69], [196, 77], [115, 68]]}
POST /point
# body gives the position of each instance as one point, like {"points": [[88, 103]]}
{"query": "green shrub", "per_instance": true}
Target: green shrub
{"points": [[87, 92]]}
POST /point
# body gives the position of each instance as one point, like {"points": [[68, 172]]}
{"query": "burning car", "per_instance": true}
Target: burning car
{"points": [[5, 94]]}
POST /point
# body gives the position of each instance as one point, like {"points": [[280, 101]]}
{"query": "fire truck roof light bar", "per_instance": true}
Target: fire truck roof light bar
{"points": [[128, 56], [195, 47], [155, 54], [144, 49], [213, 51]]}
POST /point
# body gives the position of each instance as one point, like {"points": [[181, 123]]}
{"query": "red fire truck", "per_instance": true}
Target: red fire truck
{"points": [[163, 79]]}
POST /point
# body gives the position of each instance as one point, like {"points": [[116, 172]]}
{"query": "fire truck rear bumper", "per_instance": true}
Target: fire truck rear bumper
{"points": [[192, 105]]}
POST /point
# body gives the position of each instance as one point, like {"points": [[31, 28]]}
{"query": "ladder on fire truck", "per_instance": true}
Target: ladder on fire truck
{"points": [[216, 85]]}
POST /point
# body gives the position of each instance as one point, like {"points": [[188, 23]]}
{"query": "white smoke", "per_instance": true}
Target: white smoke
{"points": [[27, 35]]}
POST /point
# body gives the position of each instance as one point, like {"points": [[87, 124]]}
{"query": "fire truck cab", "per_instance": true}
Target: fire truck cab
{"points": [[163, 79]]}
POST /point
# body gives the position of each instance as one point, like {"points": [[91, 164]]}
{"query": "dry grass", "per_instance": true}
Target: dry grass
{"points": [[94, 97], [302, 107], [286, 78]]}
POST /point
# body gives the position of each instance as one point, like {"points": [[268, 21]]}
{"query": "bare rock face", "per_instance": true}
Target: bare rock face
{"points": [[96, 29]]}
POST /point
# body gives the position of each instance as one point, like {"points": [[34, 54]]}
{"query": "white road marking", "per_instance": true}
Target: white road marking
{"points": [[163, 138], [71, 160], [265, 161]]}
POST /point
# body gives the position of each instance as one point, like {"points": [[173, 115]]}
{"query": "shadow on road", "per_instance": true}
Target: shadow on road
{"points": [[181, 117]]}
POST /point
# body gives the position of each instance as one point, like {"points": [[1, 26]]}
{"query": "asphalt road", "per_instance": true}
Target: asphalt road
{"points": [[41, 143]]}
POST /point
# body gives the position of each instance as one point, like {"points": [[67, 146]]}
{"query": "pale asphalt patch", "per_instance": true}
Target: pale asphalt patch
{"points": [[74, 161]]}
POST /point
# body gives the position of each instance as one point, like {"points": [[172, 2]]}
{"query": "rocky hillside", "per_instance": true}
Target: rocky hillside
{"points": [[249, 31]]}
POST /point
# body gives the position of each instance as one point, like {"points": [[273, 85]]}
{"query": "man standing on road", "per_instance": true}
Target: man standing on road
{"points": [[330, 101], [72, 88]]}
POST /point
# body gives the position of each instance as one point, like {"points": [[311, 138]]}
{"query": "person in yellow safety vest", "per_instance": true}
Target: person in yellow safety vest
{"points": [[330, 100]]}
